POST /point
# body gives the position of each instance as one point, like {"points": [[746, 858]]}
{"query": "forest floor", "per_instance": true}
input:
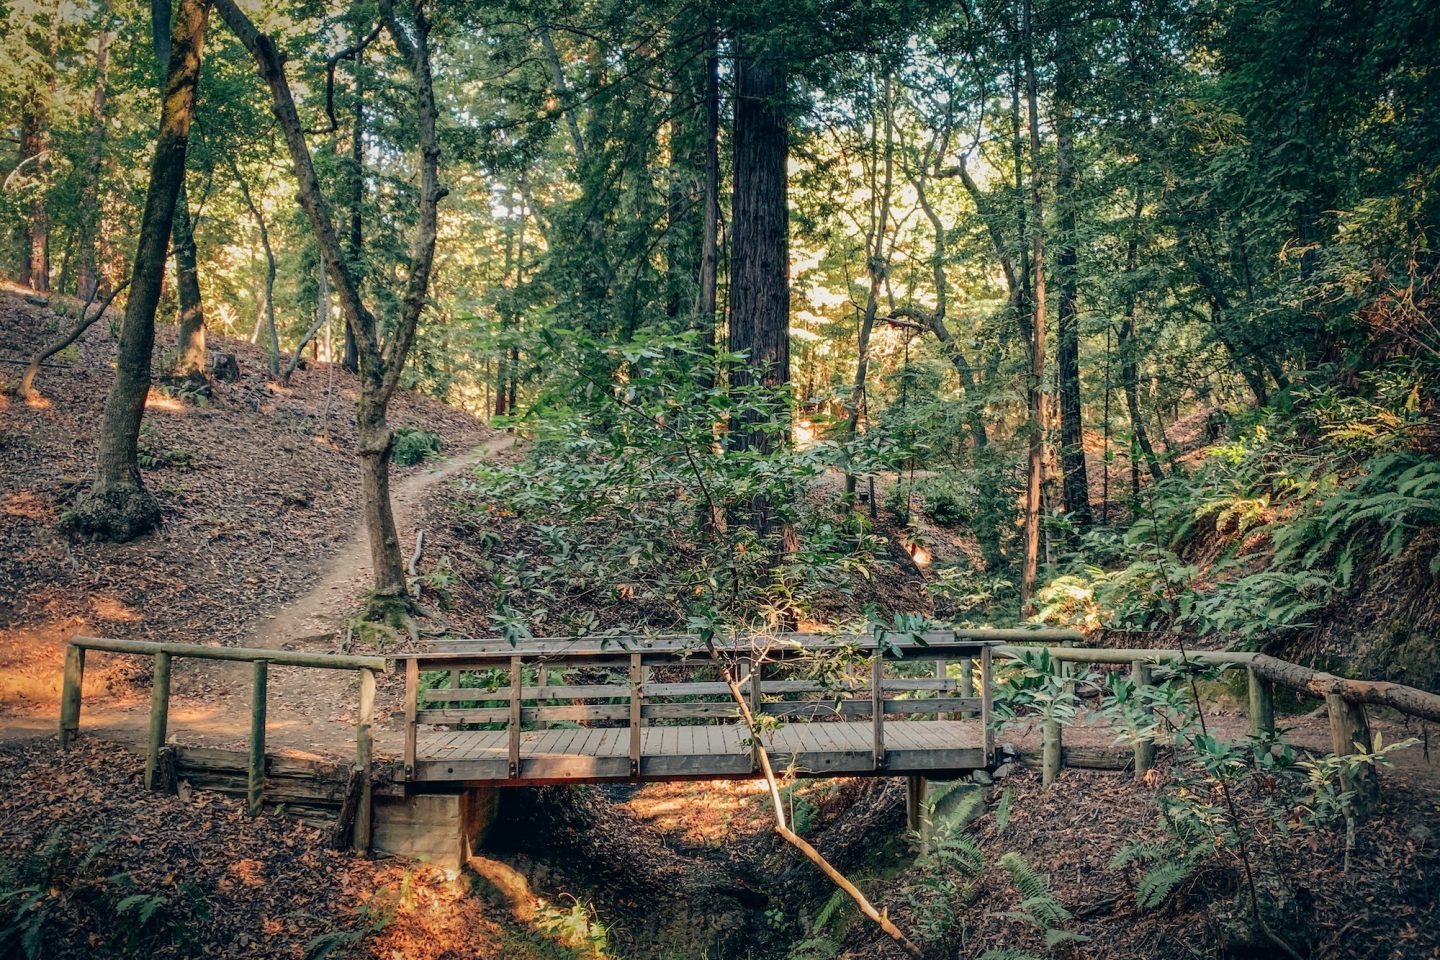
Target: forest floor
{"points": [[260, 549]]}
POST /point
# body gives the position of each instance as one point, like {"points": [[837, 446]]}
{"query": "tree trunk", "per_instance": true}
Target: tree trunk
{"points": [[760, 265], [1129, 362], [118, 506], [190, 343], [710, 226], [27, 382], [875, 259], [1076, 478], [355, 242], [1037, 426], [382, 360], [88, 271]]}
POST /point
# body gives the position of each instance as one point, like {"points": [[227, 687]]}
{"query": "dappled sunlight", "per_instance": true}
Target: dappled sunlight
{"points": [[158, 400], [27, 505], [109, 608], [703, 814]]}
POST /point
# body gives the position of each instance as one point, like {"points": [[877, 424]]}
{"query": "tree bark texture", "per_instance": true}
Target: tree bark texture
{"points": [[190, 342], [1037, 426], [1075, 476], [760, 264], [118, 506]]}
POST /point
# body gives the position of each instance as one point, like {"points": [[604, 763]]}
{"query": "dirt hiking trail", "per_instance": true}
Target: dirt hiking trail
{"points": [[310, 712]]}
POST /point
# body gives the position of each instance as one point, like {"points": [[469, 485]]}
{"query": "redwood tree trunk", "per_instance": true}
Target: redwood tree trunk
{"points": [[118, 506], [760, 260], [1076, 479]]}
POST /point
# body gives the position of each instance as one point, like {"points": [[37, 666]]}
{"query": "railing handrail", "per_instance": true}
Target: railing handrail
{"points": [[280, 658], [692, 645], [1121, 655], [359, 789]]}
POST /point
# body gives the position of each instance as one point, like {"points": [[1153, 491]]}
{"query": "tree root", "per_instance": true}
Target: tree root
{"points": [[118, 513]]}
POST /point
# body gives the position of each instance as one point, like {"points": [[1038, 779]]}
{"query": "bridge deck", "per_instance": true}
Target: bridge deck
{"points": [[598, 709], [712, 751]]}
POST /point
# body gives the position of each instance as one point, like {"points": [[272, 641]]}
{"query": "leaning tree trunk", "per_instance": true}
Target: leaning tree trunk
{"points": [[118, 506], [382, 359], [760, 268]]}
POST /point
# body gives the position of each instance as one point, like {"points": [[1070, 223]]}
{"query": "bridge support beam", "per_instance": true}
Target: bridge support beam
{"points": [[915, 804], [443, 829]]}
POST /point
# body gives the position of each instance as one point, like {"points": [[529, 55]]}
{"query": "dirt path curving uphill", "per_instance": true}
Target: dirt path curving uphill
{"points": [[310, 712]]}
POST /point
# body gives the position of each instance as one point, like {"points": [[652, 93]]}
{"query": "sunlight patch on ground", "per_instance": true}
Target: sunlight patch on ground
{"points": [[701, 813], [108, 608], [27, 505], [155, 400]]}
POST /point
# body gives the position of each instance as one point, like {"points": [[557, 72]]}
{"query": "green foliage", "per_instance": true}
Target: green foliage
{"points": [[1038, 905], [629, 504], [413, 445]]}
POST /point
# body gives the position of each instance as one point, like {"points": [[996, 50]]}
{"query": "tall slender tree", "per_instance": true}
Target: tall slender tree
{"points": [[382, 354], [117, 506]]}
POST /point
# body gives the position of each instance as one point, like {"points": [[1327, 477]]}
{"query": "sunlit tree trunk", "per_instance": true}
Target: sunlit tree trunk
{"points": [[882, 158], [117, 506], [1036, 427]]}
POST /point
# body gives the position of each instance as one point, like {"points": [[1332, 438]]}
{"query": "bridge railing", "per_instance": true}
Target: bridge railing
{"points": [[358, 793], [637, 682], [1345, 699]]}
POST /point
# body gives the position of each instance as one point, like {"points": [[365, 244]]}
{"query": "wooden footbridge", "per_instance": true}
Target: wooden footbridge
{"points": [[479, 715], [627, 709]]}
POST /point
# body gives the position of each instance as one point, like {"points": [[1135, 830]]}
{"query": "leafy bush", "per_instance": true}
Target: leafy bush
{"points": [[631, 504], [413, 445]]}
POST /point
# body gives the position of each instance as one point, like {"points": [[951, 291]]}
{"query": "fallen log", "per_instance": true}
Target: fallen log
{"points": [[1408, 700]]}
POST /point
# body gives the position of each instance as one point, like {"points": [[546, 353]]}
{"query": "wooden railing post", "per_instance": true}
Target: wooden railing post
{"points": [[364, 746], [877, 708], [1349, 733], [517, 676], [637, 679], [70, 694], [412, 703], [255, 772], [159, 716], [915, 807], [987, 691], [1144, 746], [1262, 704], [967, 677]]}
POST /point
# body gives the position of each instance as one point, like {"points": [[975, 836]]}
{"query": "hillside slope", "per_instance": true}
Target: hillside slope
{"points": [[258, 484]]}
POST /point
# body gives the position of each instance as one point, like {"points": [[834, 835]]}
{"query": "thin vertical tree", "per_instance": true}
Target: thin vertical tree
{"points": [[1036, 427], [381, 356], [1075, 476], [117, 506]]}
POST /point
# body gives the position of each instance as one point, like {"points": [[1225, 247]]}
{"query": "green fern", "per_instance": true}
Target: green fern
{"points": [[1156, 885], [1002, 811]]}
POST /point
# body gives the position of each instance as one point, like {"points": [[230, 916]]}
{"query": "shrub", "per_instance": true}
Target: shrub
{"points": [[413, 445]]}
